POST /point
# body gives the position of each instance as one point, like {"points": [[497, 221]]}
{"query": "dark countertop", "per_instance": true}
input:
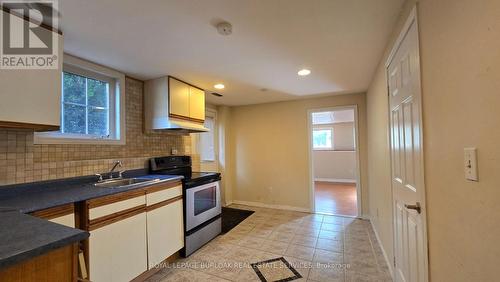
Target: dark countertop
{"points": [[23, 236], [32, 197]]}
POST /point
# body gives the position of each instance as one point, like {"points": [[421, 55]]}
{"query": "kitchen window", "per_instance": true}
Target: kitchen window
{"points": [[323, 139], [92, 106], [87, 108]]}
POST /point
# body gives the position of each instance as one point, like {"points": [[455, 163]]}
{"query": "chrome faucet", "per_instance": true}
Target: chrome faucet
{"points": [[120, 173]]}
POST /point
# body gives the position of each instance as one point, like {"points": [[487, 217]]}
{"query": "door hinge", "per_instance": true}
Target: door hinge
{"points": [[394, 260]]}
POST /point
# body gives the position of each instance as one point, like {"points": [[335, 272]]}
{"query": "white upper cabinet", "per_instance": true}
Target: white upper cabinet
{"points": [[196, 104], [179, 95], [171, 103], [31, 98]]}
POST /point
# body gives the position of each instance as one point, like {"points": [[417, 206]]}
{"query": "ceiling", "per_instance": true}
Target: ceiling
{"points": [[340, 41]]}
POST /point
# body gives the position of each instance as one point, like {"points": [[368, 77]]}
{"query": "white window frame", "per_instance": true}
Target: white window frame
{"points": [[213, 114], [116, 82], [331, 148]]}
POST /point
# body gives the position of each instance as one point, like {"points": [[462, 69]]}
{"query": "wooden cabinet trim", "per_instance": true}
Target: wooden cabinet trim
{"points": [[181, 117], [56, 265], [162, 186], [106, 200], [28, 19], [180, 80], [34, 126], [115, 217], [55, 212], [164, 203], [186, 118]]}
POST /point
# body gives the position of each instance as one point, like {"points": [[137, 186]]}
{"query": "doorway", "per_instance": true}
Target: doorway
{"points": [[334, 161]]}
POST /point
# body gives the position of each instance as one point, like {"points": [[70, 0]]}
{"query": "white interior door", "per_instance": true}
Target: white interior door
{"points": [[407, 161]]}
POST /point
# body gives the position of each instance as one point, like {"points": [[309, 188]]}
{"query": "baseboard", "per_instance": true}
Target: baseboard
{"points": [[228, 203], [336, 180], [279, 207], [389, 262]]}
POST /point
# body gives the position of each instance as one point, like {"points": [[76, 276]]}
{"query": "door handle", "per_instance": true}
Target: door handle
{"points": [[414, 207]]}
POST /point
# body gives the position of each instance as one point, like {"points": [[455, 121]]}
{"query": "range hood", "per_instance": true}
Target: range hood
{"points": [[174, 105], [178, 125]]}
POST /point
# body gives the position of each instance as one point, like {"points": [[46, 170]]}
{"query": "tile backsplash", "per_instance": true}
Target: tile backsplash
{"points": [[22, 161]]}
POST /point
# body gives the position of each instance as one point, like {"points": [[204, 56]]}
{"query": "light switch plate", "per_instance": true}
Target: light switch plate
{"points": [[470, 164]]}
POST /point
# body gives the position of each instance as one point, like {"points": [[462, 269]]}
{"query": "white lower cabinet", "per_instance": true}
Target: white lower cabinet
{"points": [[165, 232], [118, 251], [134, 231], [66, 220]]}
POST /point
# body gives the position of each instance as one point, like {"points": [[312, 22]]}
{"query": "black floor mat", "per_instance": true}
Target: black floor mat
{"points": [[232, 217]]}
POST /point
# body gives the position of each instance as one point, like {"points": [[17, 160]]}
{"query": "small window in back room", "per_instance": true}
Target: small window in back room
{"points": [[207, 141], [323, 139]]}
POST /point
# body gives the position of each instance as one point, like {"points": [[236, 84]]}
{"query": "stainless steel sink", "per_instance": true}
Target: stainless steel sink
{"points": [[114, 183]]}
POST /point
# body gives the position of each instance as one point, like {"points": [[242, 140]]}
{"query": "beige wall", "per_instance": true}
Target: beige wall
{"points": [[460, 59], [269, 148], [460, 51]]}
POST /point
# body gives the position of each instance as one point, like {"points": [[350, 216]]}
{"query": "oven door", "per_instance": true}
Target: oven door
{"points": [[202, 204]]}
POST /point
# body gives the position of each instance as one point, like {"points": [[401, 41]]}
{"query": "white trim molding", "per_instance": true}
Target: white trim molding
{"points": [[119, 105], [336, 180], [270, 206], [389, 262], [359, 191]]}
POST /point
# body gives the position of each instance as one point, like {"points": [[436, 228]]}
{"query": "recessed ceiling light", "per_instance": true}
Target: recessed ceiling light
{"points": [[219, 86], [304, 72]]}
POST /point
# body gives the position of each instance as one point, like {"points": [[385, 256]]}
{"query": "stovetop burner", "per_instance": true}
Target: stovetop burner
{"points": [[197, 175], [181, 165]]}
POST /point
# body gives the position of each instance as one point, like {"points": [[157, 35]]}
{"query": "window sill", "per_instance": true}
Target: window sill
{"points": [[40, 139]]}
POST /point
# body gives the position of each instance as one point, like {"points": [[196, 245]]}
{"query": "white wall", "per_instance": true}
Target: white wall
{"points": [[337, 165]]}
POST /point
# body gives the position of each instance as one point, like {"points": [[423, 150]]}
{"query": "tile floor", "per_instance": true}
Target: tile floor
{"points": [[318, 247], [336, 198]]}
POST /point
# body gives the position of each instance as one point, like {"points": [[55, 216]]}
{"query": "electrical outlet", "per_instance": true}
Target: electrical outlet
{"points": [[470, 164], [173, 152]]}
